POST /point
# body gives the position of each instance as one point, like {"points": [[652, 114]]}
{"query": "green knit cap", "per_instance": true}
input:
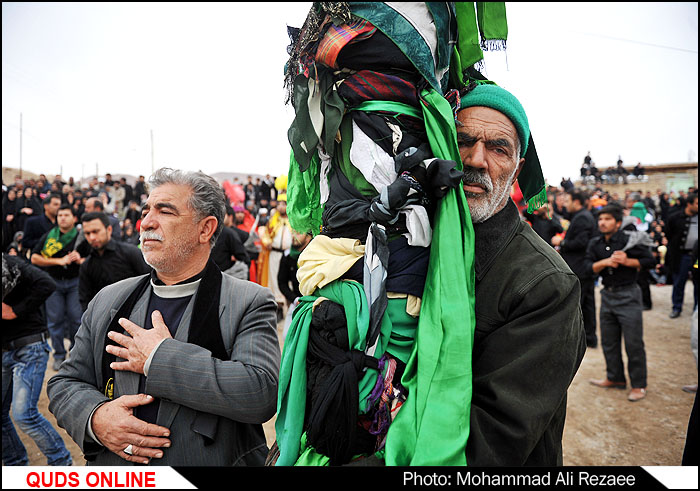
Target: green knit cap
{"points": [[498, 98]]}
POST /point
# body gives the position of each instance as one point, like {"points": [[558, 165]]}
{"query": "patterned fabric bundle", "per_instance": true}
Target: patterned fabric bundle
{"points": [[374, 161]]}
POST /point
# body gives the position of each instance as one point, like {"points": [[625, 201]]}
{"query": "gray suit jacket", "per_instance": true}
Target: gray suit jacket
{"points": [[184, 376]]}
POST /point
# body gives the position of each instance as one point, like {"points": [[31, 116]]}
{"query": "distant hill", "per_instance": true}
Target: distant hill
{"points": [[230, 176], [9, 173]]}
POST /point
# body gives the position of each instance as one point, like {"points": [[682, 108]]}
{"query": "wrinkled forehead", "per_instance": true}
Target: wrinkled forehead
{"points": [[481, 121], [174, 196]]}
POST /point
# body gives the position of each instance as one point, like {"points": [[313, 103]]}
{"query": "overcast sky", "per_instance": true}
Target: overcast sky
{"points": [[93, 81]]}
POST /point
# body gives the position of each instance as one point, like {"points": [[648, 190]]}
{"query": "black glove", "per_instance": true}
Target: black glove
{"points": [[411, 157], [443, 176]]}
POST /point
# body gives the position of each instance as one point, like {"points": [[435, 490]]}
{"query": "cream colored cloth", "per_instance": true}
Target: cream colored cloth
{"points": [[325, 260], [412, 302]]}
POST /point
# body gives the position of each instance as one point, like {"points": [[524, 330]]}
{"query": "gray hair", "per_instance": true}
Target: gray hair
{"points": [[207, 197]]}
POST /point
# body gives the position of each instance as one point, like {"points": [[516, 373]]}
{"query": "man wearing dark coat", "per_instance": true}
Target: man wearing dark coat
{"points": [[573, 249]]}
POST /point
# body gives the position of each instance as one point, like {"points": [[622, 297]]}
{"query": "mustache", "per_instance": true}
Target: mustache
{"points": [[477, 176], [151, 235]]}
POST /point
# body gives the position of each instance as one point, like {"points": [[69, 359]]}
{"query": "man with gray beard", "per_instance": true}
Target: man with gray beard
{"points": [[529, 338], [180, 366]]}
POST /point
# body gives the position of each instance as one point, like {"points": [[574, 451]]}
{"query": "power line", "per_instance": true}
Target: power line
{"points": [[632, 41]]}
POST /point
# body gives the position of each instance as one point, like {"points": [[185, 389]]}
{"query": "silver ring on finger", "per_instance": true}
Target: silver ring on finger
{"points": [[129, 450]]}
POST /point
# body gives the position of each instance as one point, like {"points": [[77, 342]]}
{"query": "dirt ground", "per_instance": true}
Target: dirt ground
{"points": [[602, 426]]}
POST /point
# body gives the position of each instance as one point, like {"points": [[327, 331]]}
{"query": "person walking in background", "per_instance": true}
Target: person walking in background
{"points": [[278, 238], [25, 354], [287, 276], [573, 249], [682, 233], [58, 253]]}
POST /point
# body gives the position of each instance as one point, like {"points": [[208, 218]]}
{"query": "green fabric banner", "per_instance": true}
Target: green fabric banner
{"points": [[432, 426], [492, 20], [468, 47], [304, 207], [291, 403]]}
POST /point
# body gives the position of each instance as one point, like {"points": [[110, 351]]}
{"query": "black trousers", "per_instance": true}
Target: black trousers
{"points": [[621, 316], [643, 282], [588, 310]]}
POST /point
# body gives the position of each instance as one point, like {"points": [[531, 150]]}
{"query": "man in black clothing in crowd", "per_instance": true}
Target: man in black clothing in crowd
{"points": [[128, 190], [573, 249], [228, 251], [231, 222], [39, 225], [140, 189], [287, 276], [109, 261], [609, 256], [545, 226], [682, 233], [133, 212], [96, 205], [558, 207], [60, 253], [25, 353]]}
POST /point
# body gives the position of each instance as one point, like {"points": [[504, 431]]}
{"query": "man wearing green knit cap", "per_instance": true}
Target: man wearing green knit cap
{"points": [[529, 338], [487, 187]]}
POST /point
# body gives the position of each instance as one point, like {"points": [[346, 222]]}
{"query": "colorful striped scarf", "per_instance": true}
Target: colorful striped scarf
{"points": [[337, 37]]}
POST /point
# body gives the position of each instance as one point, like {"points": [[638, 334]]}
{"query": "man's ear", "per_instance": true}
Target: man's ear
{"points": [[208, 226], [517, 171]]}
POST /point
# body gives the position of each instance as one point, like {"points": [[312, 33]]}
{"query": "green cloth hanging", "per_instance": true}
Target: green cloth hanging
{"points": [[468, 46], [480, 26], [400, 329], [291, 403], [531, 180], [304, 207], [432, 426], [317, 114], [493, 27]]}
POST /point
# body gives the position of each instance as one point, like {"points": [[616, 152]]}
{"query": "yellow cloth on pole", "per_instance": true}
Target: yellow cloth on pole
{"points": [[324, 260]]}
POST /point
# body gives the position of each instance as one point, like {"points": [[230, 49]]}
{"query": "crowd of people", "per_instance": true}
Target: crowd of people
{"points": [[86, 238], [613, 174], [427, 301], [63, 242], [657, 232]]}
